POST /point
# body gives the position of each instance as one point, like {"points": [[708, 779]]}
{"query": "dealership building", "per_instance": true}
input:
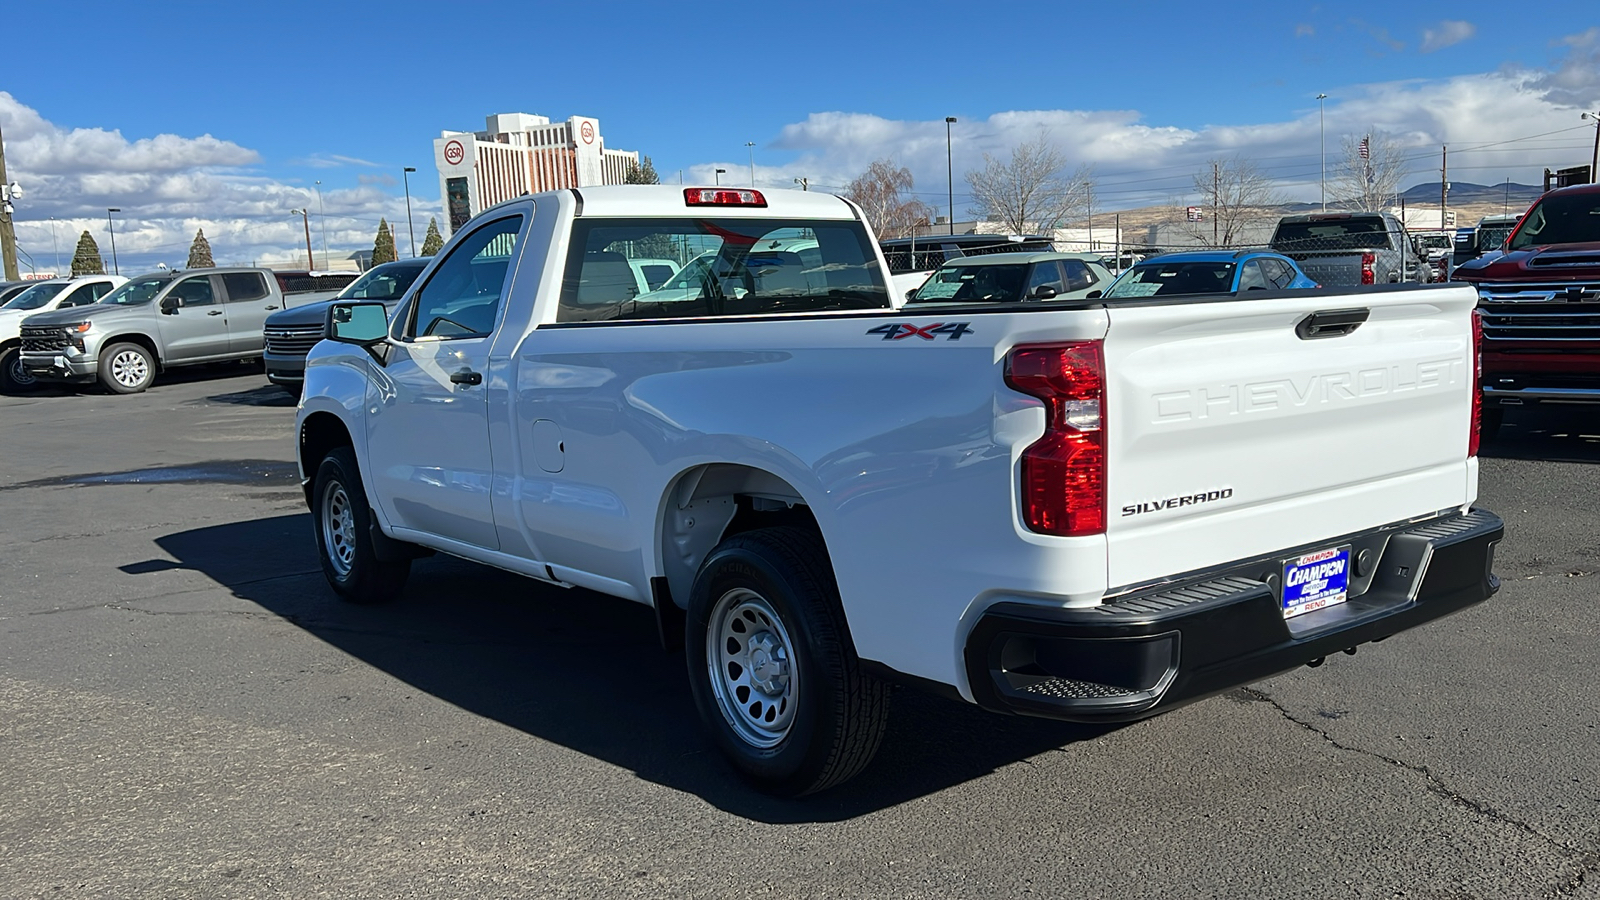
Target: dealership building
{"points": [[518, 154]]}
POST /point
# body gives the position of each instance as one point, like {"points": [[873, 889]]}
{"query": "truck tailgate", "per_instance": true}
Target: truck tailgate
{"points": [[1231, 435]]}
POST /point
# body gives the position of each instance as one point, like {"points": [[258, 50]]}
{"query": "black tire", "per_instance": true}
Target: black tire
{"points": [[839, 714], [127, 368], [342, 521], [14, 379], [1489, 425]]}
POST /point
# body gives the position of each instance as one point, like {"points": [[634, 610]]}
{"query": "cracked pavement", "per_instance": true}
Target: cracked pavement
{"points": [[186, 712]]}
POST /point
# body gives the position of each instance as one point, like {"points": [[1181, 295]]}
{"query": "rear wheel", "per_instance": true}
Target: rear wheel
{"points": [[14, 379], [343, 522], [127, 368], [772, 668]]}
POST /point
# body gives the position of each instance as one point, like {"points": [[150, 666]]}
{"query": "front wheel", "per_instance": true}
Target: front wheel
{"points": [[343, 522], [772, 668], [127, 368], [14, 379]]}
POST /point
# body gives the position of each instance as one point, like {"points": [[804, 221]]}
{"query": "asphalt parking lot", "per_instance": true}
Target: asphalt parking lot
{"points": [[185, 711]]}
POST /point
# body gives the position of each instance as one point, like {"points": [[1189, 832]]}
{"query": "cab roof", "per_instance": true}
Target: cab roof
{"points": [[1019, 258], [668, 200]]}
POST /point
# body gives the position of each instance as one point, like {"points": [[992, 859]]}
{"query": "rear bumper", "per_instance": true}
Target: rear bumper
{"points": [[1147, 652]]}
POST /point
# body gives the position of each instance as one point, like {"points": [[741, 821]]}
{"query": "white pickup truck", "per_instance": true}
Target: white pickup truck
{"points": [[1089, 510]]}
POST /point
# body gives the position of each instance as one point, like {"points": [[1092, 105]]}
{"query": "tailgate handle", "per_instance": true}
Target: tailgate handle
{"points": [[1327, 323]]}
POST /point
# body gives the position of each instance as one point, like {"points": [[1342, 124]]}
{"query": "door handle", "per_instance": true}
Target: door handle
{"points": [[214, 312], [272, 307], [1327, 323], [467, 377]]}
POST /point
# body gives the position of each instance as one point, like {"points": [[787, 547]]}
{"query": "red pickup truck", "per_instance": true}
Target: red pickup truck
{"points": [[1540, 299]]}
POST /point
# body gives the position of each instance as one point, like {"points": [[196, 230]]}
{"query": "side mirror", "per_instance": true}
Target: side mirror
{"points": [[170, 305], [1093, 295], [911, 294], [1044, 292], [363, 324]]}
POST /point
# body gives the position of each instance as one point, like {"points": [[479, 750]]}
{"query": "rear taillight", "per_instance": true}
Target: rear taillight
{"points": [[1064, 472], [1368, 260], [1477, 383], [722, 197]]}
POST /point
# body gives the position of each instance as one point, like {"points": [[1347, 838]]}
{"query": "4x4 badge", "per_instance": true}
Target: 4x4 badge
{"points": [[899, 331]]}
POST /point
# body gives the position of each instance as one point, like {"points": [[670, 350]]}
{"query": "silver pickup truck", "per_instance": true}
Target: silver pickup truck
{"points": [[1351, 249], [153, 322]]}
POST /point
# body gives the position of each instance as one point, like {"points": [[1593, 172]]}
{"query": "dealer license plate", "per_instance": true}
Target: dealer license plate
{"points": [[1316, 581]]}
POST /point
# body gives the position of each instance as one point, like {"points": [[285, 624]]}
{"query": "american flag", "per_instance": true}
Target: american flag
{"points": [[1366, 153]]}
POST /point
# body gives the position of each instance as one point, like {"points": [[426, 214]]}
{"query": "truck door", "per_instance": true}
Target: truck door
{"points": [[428, 430], [249, 302], [193, 321]]}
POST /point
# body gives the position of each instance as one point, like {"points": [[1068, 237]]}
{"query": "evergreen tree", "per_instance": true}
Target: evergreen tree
{"points": [[86, 261], [433, 241], [383, 245], [642, 172], [200, 252]]}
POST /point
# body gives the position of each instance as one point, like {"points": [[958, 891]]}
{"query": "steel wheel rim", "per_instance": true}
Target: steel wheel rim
{"points": [[754, 673], [20, 375], [338, 529], [129, 368]]}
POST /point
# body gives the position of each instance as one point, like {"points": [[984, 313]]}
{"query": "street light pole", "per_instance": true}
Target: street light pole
{"points": [[305, 219], [1323, 128], [1594, 161], [718, 177], [115, 269], [950, 172], [405, 173], [55, 246], [751, 146]]}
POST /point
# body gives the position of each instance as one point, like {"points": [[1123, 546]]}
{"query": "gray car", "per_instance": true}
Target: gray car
{"points": [[1015, 277], [153, 322]]}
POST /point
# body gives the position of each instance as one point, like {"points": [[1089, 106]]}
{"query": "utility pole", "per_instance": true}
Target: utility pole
{"points": [[1444, 182], [1216, 192], [8, 237], [950, 172]]}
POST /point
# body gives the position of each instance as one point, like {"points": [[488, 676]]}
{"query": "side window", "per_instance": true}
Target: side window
{"points": [[1251, 278], [462, 297], [83, 296], [1280, 272], [1079, 278], [244, 286], [194, 291], [1044, 274], [100, 289]]}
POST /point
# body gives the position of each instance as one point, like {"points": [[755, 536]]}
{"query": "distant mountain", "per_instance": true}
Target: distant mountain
{"points": [[1463, 192]]}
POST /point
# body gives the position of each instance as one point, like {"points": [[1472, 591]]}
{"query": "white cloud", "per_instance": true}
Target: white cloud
{"points": [[1304, 30], [1575, 82], [1446, 34], [167, 186]]}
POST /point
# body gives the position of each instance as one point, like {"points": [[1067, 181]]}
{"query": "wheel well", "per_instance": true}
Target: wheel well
{"points": [[320, 434], [140, 339], [709, 504]]}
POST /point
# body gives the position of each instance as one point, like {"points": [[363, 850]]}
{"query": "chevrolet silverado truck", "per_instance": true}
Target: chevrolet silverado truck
{"points": [[1351, 249], [1084, 509], [153, 322], [1540, 299], [291, 333]]}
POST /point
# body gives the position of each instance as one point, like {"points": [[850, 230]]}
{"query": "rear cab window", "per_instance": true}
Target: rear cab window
{"points": [[1354, 233], [730, 267]]}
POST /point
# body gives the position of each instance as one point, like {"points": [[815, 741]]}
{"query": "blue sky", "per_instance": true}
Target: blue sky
{"points": [[223, 115]]}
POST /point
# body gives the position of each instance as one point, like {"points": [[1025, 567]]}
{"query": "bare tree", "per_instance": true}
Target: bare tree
{"points": [[878, 191], [1233, 195], [1368, 183], [1028, 193]]}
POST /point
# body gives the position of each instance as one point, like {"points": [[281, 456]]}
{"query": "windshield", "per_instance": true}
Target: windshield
{"points": [[997, 284], [1569, 219], [36, 296], [139, 290], [382, 283], [745, 267], [1365, 233], [1173, 278]]}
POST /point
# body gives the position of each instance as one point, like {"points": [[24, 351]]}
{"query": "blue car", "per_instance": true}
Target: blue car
{"points": [[1210, 272]]}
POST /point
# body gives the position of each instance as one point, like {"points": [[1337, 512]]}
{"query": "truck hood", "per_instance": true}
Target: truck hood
{"points": [[95, 312], [311, 314], [1554, 262]]}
